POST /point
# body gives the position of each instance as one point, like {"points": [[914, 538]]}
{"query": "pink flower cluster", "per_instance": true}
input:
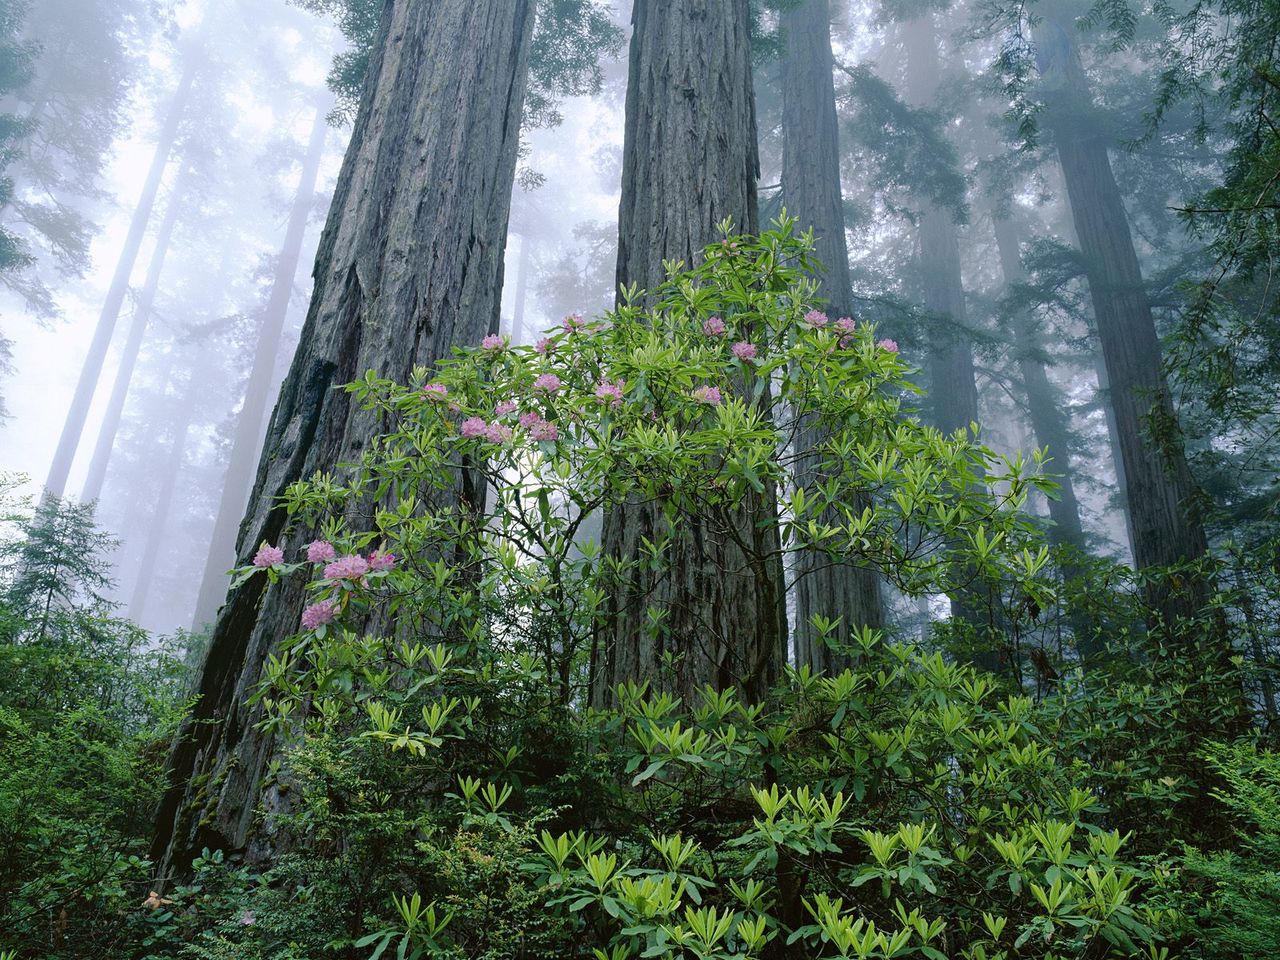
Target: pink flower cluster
{"points": [[539, 429], [493, 432], [380, 561], [610, 393], [493, 342], [889, 345], [744, 351], [436, 391], [505, 407], [545, 346], [845, 325], [319, 614], [713, 327], [268, 556], [572, 322], [351, 567], [816, 318], [707, 394], [320, 551], [547, 382]]}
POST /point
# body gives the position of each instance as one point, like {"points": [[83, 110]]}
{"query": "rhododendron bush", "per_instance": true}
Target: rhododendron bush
{"points": [[690, 397], [440, 749]]}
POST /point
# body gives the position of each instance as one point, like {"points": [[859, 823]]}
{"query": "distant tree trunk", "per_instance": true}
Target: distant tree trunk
{"points": [[133, 345], [405, 271], [1044, 402], [158, 517], [82, 399], [247, 441], [690, 161], [1163, 516], [811, 192], [953, 389]]}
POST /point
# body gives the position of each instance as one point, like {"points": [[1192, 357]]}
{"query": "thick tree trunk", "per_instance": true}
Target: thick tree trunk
{"points": [[811, 192], [82, 399], [409, 265], [1163, 516], [158, 518], [690, 161], [133, 345], [247, 442], [1044, 403]]}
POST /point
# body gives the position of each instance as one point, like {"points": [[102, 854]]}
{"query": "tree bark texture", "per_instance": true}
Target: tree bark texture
{"points": [[811, 192], [247, 442], [69, 440], [409, 265], [1164, 519], [138, 324], [689, 161]]}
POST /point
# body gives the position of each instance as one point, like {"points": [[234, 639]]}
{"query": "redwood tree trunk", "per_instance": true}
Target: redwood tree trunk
{"points": [[811, 193], [133, 346], [1164, 520], [952, 388], [158, 518], [690, 161], [82, 399], [1044, 402], [247, 441], [409, 265]]}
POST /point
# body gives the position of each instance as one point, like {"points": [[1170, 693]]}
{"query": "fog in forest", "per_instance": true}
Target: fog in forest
{"points": [[205, 272]]}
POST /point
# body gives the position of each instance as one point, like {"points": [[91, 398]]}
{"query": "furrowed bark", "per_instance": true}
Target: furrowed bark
{"points": [[409, 264], [690, 161]]}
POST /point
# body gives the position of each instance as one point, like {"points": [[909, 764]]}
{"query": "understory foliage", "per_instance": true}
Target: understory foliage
{"points": [[456, 785]]}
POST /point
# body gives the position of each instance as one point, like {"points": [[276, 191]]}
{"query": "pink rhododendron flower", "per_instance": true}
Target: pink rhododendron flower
{"points": [[505, 407], [548, 382], [497, 432], [890, 345], [318, 614], [493, 342], [707, 394], [545, 346], [436, 391], [380, 561], [572, 322], [544, 430], [816, 318], [268, 556], [744, 350], [713, 327], [610, 393], [846, 324], [527, 420], [320, 551], [473, 427], [347, 568]]}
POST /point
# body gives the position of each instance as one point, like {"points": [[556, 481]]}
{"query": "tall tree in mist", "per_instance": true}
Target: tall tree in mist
{"points": [[1164, 520], [138, 323], [406, 269], [689, 161], [1044, 402], [247, 439], [91, 371], [811, 192]]}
